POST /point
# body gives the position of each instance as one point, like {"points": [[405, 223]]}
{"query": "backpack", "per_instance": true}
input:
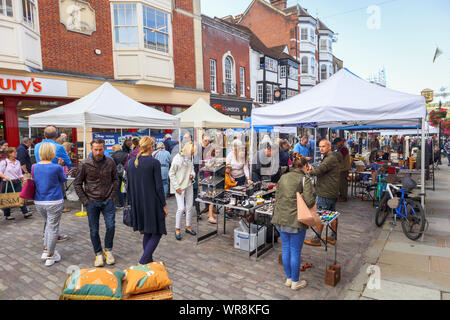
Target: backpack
{"points": [[120, 169]]}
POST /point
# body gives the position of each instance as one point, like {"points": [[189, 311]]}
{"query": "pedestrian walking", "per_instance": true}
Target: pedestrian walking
{"points": [[12, 179], [146, 195], [285, 217], [49, 199], [24, 156], [327, 187], [447, 150], [120, 157], [344, 167], [3, 146], [96, 185], [181, 176], [164, 158]]}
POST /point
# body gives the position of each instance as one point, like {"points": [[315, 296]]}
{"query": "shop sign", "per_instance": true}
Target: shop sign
{"points": [[116, 138], [428, 94], [29, 86], [228, 107]]}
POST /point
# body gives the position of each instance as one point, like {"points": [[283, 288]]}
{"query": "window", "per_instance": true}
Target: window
{"points": [[293, 73], [6, 8], [212, 75], [260, 93], [330, 71], [283, 94], [29, 12], [312, 35], [291, 93], [304, 34], [330, 47], [125, 25], [283, 71], [305, 65], [323, 72], [313, 66], [242, 80], [156, 30], [323, 45], [269, 93], [228, 75], [271, 64]]}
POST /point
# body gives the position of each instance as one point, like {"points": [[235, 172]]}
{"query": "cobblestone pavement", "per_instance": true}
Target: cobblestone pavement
{"points": [[213, 269]]}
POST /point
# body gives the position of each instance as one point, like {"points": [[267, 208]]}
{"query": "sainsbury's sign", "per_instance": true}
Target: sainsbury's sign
{"points": [[32, 86]]}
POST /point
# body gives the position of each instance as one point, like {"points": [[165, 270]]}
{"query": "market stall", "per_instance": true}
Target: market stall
{"points": [[105, 107]]}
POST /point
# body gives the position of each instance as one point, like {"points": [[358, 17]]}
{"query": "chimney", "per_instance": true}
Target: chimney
{"points": [[280, 4]]}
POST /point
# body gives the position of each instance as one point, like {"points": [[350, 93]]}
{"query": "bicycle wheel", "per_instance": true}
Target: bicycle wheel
{"points": [[382, 210], [414, 223]]}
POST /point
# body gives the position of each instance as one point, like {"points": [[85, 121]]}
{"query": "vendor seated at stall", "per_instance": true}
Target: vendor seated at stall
{"points": [[265, 166], [382, 156]]}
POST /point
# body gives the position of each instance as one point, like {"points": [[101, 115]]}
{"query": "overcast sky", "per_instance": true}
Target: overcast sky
{"points": [[403, 39]]}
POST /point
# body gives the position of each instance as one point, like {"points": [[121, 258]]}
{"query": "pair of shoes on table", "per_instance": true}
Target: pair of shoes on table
{"points": [[315, 242], [49, 261]]}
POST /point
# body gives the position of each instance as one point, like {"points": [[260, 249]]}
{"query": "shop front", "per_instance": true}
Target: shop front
{"points": [[23, 94]]}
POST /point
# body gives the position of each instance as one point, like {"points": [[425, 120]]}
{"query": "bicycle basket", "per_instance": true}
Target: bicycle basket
{"points": [[393, 203], [408, 183]]}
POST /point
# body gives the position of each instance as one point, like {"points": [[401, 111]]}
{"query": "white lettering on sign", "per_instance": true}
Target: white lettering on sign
{"points": [[30, 86]]}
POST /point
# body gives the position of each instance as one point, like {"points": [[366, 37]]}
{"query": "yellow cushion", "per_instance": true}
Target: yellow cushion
{"points": [[146, 278]]}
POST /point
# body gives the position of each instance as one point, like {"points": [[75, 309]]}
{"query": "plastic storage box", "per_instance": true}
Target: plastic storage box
{"points": [[242, 238]]}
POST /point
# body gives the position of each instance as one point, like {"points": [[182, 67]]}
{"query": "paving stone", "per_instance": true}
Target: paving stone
{"points": [[398, 291], [411, 261], [415, 248], [438, 264]]}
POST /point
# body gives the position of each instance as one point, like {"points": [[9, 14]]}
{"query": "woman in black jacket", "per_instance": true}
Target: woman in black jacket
{"points": [[146, 196]]}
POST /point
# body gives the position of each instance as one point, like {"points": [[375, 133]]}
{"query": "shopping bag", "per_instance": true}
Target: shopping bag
{"points": [[11, 199], [29, 188], [307, 215]]}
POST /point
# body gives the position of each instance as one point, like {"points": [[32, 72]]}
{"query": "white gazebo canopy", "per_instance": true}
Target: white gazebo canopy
{"points": [[202, 115], [344, 99], [105, 107]]}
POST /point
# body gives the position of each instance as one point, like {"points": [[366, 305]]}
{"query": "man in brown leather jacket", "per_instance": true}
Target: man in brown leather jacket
{"points": [[96, 184]]}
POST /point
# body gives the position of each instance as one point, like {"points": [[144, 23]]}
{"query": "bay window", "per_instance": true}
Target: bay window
{"points": [[6, 8], [304, 34], [269, 93], [126, 25], [29, 13], [305, 65], [313, 66], [323, 72], [260, 93], [293, 73], [156, 31]]}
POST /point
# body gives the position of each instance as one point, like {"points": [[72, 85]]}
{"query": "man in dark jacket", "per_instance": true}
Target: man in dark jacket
{"points": [[24, 156], [96, 184], [327, 186], [169, 143]]}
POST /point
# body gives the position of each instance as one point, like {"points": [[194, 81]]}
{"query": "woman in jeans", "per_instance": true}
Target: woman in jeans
{"points": [[146, 196], [12, 178], [181, 176], [49, 199], [285, 217]]}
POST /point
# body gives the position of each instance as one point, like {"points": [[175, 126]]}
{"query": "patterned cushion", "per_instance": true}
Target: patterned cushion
{"points": [[146, 278], [93, 284]]}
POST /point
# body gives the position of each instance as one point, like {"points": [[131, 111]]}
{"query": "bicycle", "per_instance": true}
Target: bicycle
{"points": [[410, 212]]}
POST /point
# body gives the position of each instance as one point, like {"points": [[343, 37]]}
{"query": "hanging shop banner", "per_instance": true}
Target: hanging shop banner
{"points": [[116, 138], [30, 86], [232, 107]]}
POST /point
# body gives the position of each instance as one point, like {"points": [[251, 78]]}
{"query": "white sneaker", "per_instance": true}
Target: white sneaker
{"points": [[54, 258], [298, 285], [109, 257], [99, 260], [288, 282], [44, 255]]}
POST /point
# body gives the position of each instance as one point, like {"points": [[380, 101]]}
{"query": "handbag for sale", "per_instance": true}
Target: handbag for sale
{"points": [[127, 216], [307, 215], [11, 199], [29, 188]]}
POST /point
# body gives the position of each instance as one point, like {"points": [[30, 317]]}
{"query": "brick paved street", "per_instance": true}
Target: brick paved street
{"points": [[213, 269]]}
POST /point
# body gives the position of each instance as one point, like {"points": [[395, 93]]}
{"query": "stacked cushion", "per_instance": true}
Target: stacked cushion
{"points": [[146, 278]]}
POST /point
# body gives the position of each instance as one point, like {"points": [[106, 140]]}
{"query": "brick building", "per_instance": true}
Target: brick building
{"points": [[227, 66], [309, 40], [59, 51]]}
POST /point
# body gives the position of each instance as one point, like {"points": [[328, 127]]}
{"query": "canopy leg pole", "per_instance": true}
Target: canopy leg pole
{"points": [[251, 150], [422, 173], [315, 143]]}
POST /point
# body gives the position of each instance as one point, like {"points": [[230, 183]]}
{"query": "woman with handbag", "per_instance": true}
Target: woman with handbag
{"points": [[12, 179], [49, 199], [285, 217], [146, 197]]}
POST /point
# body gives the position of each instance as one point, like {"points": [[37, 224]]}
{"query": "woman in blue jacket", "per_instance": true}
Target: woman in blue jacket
{"points": [[164, 158]]}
